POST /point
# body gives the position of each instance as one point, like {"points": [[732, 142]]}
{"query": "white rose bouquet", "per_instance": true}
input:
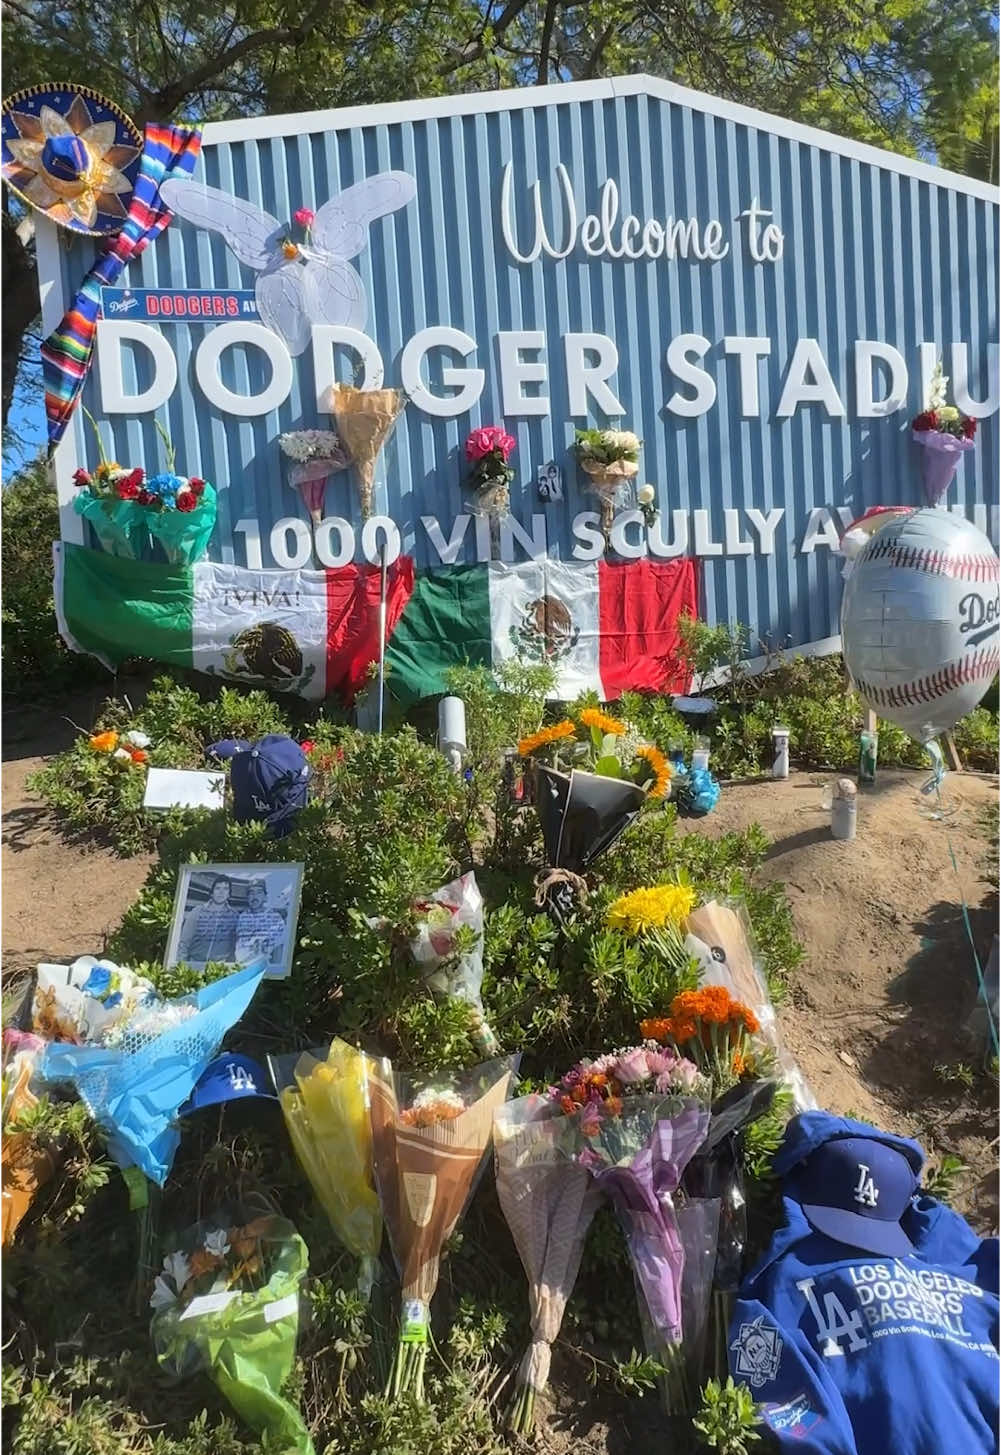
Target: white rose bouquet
{"points": [[608, 457]]}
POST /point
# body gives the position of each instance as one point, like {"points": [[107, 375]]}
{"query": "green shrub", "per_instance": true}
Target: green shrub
{"points": [[34, 657], [95, 791]]}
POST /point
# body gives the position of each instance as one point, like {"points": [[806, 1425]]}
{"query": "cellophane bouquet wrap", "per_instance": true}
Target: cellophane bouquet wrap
{"points": [[227, 1302], [27, 1164], [430, 1137], [365, 420], [450, 971], [548, 1199], [314, 454], [324, 1096], [643, 1115], [721, 940], [135, 1079], [120, 526], [716, 1172]]}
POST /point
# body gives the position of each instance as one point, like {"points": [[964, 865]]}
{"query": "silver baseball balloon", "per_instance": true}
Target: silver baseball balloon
{"points": [[921, 621]]}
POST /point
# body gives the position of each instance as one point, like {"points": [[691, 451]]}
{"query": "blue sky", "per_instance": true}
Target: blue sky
{"points": [[26, 422]]}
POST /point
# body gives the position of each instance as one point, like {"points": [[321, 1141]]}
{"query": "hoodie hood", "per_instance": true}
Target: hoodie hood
{"points": [[811, 1129]]}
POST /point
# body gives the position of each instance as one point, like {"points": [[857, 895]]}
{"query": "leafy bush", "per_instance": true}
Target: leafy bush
{"points": [[728, 1417], [93, 790], [34, 656]]}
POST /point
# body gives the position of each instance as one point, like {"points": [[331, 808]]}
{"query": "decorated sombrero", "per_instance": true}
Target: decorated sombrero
{"points": [[72, 155]]}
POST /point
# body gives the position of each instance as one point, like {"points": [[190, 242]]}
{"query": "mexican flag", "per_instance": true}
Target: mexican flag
{"points": [[606, 627]]}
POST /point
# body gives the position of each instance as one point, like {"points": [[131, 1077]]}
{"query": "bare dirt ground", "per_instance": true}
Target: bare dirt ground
{"points": [[888, 981]]}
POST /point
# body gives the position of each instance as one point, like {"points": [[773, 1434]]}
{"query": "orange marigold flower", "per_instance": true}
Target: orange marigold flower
{"points": [[714, 1004], [657, 1029], [613, 1105], [104, 742], [751, 1023], [567, 1105], [738, 1065], [545, 736], [593, 717], [685, 1005], [138, 755], [682, 1030], [659, 766]]}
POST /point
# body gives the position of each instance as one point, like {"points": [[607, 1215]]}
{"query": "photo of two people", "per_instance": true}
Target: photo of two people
{"points": [[231, 914]]}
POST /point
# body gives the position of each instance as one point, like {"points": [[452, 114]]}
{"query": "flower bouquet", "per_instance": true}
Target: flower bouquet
{"points": [[27, 1162], [446, 942], [106, 499], [227, 1302], [655, 918], [488, 450], [548, 1199], [325, 1101], [944, 435], [592, 775], [430, 1143], [721, 939], [716, 1173], [143, 1065], [365, 419], [608, 457], [122, 748], [720, 1034], [712, 1029], [126, 510], [315, 454], [642, 1116]]}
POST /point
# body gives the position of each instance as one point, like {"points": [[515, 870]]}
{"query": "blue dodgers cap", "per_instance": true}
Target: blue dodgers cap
{"points": [[269, 780], [855, 1190], [230, 1077]]}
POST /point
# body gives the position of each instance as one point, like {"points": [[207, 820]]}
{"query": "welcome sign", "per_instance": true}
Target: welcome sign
{"points": [[761, 304]]}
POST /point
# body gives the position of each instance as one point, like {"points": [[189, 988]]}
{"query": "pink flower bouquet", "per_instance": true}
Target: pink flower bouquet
{"points": [[488, 450]]}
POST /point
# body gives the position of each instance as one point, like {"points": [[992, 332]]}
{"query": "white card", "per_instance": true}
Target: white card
{"points": [[208, 1303], [180, 788]]}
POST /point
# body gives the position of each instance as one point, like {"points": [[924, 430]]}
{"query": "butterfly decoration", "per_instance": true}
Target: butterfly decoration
{"points": [[299, 283]]}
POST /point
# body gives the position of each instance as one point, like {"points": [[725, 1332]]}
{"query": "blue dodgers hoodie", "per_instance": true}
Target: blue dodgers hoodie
{"points": [[855, 1352]]}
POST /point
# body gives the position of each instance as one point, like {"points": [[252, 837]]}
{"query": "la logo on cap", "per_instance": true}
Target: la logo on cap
{"points": [[240, 1078], [866, 1191]]}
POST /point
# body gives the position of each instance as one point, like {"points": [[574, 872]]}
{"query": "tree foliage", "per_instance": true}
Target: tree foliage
{"points": [[913, 75]]}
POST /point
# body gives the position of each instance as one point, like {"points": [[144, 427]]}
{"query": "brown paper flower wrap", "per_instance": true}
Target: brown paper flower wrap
{"points": [[365, 420], [425, 1175]]}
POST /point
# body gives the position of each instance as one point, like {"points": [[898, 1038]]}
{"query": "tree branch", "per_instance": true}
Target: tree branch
{"points": [[476, 49], [545, 45]]}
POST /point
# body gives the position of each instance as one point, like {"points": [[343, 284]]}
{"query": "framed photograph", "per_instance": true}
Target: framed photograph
{"points": [[231, 914]]}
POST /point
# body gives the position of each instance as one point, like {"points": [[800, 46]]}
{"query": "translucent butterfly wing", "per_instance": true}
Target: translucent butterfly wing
{"points": [[252, 235], [283, 305], [341, 225], [334, 293]]}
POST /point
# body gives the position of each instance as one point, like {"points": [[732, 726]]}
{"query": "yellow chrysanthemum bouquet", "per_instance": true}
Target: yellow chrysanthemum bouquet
{"points": [[654, 916]]}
